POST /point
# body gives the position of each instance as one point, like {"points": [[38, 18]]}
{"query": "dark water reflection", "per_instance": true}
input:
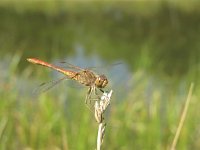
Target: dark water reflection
{"points": [[164, 44], [159, 54]]}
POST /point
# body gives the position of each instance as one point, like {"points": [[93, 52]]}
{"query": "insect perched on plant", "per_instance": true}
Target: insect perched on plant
{"points": [[84, 76]]}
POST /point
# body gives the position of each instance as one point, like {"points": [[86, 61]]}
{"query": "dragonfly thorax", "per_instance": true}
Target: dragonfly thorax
{"points": [[101, 81]]}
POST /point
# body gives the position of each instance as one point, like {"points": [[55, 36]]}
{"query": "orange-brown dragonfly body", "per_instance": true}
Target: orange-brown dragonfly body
{"points": [[84, 76]]}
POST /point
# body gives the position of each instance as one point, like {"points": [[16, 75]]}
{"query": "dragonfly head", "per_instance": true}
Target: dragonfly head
{"points": [[101, 81]]}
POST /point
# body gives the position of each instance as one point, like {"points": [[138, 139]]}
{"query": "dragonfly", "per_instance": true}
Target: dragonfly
{"points": [[86, 77]]}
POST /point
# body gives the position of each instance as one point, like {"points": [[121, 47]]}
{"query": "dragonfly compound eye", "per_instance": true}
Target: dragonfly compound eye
{"points": [[101, 81], [105, 82]]}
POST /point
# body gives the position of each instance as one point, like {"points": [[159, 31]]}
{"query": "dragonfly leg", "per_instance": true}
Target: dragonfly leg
{"points": [[88, 96], [96, 94], [102, 90], [92, 91]]}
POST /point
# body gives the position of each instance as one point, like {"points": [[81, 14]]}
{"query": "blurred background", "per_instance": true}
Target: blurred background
{"points": [[157, 43]]}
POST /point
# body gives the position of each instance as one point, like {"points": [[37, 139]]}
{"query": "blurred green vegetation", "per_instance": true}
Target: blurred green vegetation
{"points": [[159, 41]]}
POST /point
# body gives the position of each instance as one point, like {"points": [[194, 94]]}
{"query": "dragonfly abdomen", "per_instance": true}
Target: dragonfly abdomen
{"points": [[66, 72]]}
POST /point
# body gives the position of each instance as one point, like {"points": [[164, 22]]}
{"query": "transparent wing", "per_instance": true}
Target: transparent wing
{"points": [[68, 65], [105, 68], [48, 85]]}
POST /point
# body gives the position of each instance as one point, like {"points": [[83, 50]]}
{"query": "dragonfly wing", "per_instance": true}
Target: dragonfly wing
{"points": [[48, 85], [104, 68], [68, 65]]}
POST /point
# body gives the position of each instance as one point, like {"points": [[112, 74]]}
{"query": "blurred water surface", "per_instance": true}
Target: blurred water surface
{"points": [[157, 43]]}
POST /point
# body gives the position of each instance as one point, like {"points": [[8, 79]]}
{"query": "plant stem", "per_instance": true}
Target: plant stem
{"points": [[183, 115]]}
